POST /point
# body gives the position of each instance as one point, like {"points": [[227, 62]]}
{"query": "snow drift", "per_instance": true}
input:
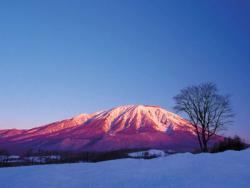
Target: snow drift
{"points": [[223, 170]]}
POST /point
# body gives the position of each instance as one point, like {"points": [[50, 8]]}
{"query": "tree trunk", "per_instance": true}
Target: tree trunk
{"points": [[199, 137], [204, 141], [205, 147]]}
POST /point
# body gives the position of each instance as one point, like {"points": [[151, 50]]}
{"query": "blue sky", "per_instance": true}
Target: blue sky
{"points": [[60, 58]]}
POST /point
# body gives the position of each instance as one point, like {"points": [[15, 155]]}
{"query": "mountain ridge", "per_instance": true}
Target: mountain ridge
{"points": [[122, 127]]}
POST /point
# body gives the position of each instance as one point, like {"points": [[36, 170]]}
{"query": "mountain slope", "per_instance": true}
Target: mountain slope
{"points": [[125, 127]]}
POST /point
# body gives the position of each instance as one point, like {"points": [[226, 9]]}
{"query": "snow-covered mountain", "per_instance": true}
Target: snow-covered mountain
{"points": [[125, 127]]}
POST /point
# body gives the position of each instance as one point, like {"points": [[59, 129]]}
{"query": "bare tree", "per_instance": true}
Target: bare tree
{"points": [[208, 111]]}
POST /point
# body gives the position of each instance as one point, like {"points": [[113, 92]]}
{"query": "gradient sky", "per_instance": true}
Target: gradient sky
{"points": [[60, 58]]}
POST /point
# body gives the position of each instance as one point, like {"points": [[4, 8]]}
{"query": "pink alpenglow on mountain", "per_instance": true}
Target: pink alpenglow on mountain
{"points": [[125, 127]]}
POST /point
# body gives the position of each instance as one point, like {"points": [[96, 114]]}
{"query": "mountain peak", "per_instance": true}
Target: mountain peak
{"points": [[142, 117], [122, 127]]}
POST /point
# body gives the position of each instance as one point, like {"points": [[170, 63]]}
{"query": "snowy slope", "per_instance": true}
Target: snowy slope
{"points": [[230, 169], [123, 127]]}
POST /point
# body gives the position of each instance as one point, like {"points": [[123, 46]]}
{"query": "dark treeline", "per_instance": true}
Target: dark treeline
{"points": [[68, 157], [235, 143]]}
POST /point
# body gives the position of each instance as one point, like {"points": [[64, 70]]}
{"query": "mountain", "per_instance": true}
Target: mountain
{"points": [[125, 127]]}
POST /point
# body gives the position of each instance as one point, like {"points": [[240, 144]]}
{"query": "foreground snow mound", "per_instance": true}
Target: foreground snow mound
{"points": [[229, 169]]}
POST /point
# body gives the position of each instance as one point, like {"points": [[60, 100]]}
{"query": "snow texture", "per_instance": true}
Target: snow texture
{"points": [[230, 169], [148, 153]]}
